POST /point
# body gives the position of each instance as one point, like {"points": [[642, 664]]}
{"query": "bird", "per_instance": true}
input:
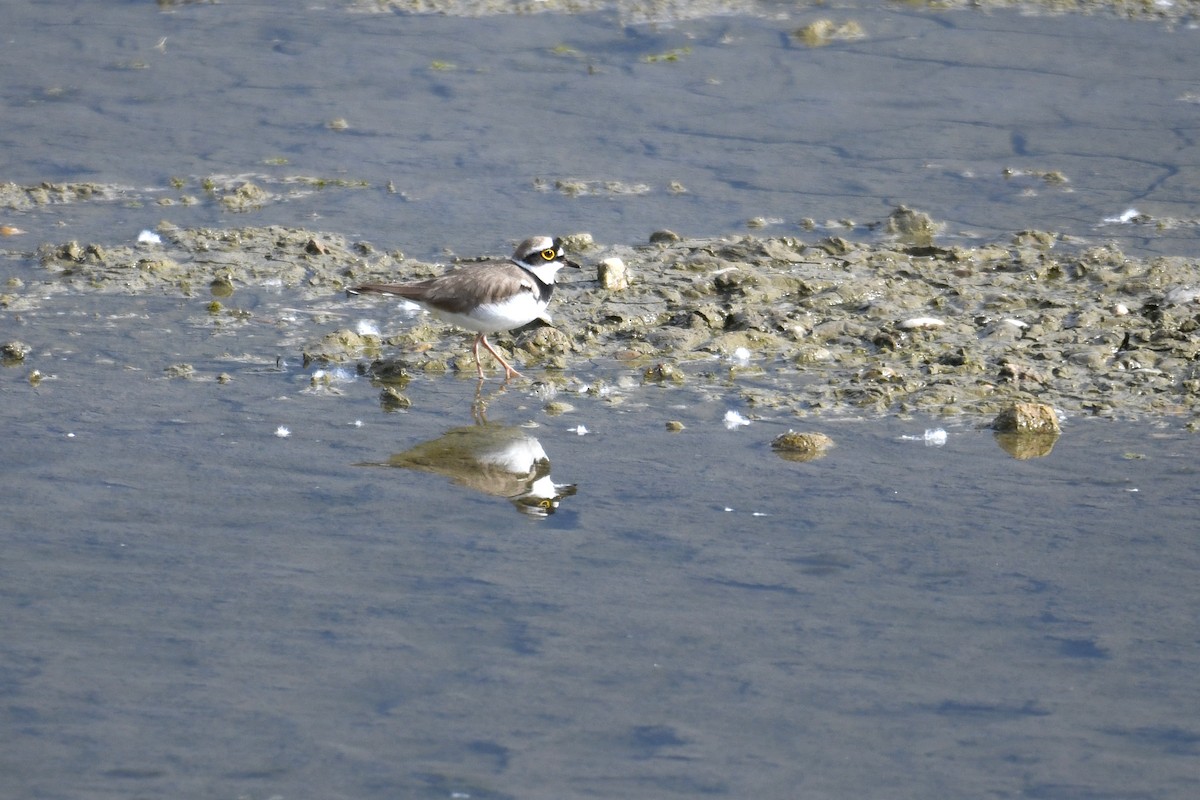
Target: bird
{"points": [[499, 460], [489, 296]]}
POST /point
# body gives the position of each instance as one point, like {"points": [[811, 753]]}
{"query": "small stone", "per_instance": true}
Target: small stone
{"points": [[835, 245], [246, 197], [545, 341], [662, 373], [795, 446], [341, 345], [179, 371], [813, 354], [71, 251], [1027, 418], [613, 274], [1040, 240], [578, 241], [14, 352], [825, 31], [912, 226], [664, 237], [387, 372]]}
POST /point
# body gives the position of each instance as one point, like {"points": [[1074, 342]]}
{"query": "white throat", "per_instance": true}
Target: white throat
{"points": [[546, 273]]}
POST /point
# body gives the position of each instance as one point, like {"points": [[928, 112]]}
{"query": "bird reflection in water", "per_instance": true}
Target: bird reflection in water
{"points": [[499, 460]]}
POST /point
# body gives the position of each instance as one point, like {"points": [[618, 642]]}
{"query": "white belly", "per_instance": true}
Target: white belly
{"points": [[519, 310]]}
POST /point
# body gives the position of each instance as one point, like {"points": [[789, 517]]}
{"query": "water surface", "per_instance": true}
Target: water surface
{"points": [[199, 606], [454, 132]]}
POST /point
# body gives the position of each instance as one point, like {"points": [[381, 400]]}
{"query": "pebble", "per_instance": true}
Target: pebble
{"points": [[613, 274]]}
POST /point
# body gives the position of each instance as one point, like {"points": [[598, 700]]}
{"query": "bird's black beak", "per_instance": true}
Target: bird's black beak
{"points": [[558, 243]]}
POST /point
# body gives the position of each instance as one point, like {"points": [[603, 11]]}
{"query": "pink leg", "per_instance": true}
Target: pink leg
{"points": [[475, 350], [509, 372]]}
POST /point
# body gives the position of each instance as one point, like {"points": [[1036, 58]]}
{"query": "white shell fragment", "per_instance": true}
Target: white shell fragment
{"points": [[915, 323]]}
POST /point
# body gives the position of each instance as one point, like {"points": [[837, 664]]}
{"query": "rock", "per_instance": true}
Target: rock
{"points": [[662, 373], [545, 341], [341, 345], [664, 237], [794, 446], [179, 371], [1027, 418], [613, 274], [14, 352], [825, 31], [1040, 240], [246, 197], [916, 227]]}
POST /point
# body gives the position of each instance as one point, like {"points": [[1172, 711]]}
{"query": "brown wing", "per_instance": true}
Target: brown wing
{"points": [[460, 289]]}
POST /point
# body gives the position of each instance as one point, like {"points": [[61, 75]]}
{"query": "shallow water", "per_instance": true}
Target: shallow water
{"points": [[196, 605], [472, 121]]}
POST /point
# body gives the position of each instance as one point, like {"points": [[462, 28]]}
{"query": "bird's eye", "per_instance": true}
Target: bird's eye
{"points": [[549, 254]]}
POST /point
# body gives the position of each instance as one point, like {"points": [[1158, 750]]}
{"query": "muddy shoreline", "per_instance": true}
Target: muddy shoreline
{"points": [[812, 325]]}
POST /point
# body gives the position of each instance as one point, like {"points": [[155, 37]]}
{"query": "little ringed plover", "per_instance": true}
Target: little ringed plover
{"points": [[489, 296]]}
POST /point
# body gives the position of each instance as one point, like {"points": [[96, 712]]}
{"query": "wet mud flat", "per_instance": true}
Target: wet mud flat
{"points": [[670, 10], [807, 326]]}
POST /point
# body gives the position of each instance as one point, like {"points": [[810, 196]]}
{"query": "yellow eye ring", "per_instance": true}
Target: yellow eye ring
{"points": [[549, 255]]}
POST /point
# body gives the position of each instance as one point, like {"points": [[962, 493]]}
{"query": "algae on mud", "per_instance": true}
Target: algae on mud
{"points": [[829, 325]]}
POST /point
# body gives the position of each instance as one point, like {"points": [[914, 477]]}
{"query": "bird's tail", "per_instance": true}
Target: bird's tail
{"points": [[393, 289]]}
